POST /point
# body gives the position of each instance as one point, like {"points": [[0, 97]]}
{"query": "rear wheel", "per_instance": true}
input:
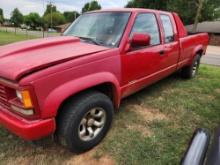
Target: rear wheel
{"points": [[84, 121], [192, 70]]}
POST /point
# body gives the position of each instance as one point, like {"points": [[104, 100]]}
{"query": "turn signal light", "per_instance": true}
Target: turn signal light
{"points": [[25, 98]]}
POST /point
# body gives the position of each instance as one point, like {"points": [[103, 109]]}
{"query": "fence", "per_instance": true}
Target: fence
{"points": [[28, 33]]}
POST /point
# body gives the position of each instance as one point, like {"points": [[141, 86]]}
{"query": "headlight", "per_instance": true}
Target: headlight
{"points": [[19, 96], [25, 98], [27, 112]]}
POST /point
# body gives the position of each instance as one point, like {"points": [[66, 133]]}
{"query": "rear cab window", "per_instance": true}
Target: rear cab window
{"points": [[167, 28]]}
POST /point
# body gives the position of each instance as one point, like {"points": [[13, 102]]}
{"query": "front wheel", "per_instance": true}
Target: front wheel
{"points": [[192, 70], [84, 121]]}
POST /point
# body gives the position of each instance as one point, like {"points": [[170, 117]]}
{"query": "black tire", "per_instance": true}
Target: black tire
{"points": [[73, 112], [191, 71]]}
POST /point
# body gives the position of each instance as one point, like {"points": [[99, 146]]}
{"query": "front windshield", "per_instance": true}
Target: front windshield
{"points": [[102, 28]]}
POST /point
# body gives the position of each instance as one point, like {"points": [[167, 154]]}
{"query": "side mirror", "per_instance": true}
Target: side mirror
{"points": [[140, 39], [196, 152]]}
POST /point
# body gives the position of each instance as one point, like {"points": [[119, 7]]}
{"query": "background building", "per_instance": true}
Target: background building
{"points": [[212, 28]]}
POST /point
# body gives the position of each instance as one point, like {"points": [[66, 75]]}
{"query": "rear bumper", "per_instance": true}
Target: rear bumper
{"points": [[28, 130]]}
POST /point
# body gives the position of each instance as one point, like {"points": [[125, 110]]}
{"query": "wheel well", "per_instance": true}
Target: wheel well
{"points": [[105, 88], [199, 52]]}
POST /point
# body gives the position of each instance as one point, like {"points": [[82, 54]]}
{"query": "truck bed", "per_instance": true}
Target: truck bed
{"points": [[190, 45]]}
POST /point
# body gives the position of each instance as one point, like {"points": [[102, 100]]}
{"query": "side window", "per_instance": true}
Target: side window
{"points": [[147, 24], [168, 28]]}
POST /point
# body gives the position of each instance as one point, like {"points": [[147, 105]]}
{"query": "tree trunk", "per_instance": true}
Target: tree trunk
{"points": [[198, 14]]}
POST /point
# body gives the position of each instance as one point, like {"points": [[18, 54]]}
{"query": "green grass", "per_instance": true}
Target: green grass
{"points": [[7, 37], [153, 126], [187, 105], [175, 107]]}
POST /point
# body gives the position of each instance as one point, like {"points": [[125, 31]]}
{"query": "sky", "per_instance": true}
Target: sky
{"points": [[27, 6]]}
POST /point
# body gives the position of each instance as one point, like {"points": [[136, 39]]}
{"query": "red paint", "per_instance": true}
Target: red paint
{"points": [[28, 130], [57, 68], [140, 40]]}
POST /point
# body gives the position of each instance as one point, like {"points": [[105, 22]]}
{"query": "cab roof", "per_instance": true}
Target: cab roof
{"points": [[128, 10]]}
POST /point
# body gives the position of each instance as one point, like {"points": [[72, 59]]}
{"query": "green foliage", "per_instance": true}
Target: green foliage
{"points": [[1, 16], [1, 11], [50, 9], [52, 17], [70, 16], [57, 19], [16, 17], [33, 20], [94, 5], [217, 14], [152, 4], [185, 8]]}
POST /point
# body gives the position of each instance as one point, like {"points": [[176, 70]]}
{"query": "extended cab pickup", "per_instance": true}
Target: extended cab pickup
{"points": [[71, 85]]}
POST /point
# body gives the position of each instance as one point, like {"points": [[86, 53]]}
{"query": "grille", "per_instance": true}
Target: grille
{"points": [[3, 97]]}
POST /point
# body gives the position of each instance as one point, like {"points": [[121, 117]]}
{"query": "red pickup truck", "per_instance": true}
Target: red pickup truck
{"points": [[71, 85]]}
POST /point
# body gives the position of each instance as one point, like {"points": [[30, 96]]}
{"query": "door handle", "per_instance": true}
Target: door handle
{"points": [[168, 47], [162, 52]]}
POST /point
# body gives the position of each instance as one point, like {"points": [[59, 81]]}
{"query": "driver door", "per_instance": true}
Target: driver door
{"points": [[140, 65]]}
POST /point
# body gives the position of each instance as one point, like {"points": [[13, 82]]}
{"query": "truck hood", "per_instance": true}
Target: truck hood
{"points": [[19, 59]]}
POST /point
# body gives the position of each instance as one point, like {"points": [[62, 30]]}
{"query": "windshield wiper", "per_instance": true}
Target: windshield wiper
{"points": [[89, 39]]}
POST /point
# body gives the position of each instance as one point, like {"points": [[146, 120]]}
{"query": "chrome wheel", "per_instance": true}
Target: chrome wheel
{"points": [[92, 124], [195, 67]]}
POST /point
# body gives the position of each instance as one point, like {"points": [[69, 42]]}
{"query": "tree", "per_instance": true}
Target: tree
{"points": [[152, 4], [217, 14], [1, 16], [187, 9], [16, 17], [209, 9], [33, 20], [70, 16], [57, 18], [93, 5], [50, 9], [52, 17], [198, 14]]}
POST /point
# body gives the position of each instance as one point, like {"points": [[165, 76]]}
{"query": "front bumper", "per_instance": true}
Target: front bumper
{"points": [[26, 129]]}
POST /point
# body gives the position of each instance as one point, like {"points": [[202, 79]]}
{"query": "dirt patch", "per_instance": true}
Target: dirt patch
{"points": [[210, 97], [218, 90], [169, 90], [56, 156], [140, 128], [27, 160], [148, 114], [160, 98], [89, 158], [18, 160]]}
